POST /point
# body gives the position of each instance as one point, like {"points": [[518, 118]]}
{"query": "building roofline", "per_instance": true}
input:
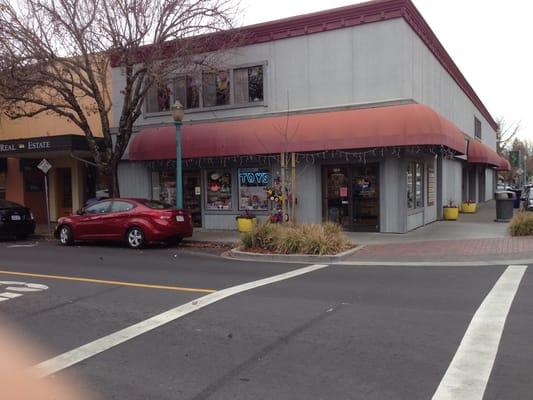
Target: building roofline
{"points": [[359, 14]]}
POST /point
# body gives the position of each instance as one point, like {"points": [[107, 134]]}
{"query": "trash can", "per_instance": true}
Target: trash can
{"points": [[518, 198], [505, 201]]}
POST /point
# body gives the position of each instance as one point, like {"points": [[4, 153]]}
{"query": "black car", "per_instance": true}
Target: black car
{"points": [[16, 220]]}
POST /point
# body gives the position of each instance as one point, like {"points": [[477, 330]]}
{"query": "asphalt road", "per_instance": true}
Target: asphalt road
{"points": [[337, 332]]}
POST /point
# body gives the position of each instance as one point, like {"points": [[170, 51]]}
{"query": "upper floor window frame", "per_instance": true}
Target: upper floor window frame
{"points": [[478, 134], [198, 76]]}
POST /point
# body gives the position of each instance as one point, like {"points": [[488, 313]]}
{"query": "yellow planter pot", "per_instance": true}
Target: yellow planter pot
{"points": [[469, 208], [451, 213], [245, 224]]}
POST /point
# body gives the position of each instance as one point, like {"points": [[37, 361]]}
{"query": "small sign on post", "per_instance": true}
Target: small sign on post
{"points": [[45, 167]]}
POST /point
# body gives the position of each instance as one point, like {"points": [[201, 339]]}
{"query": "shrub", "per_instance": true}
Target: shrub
{"points": [[521, 224], [264, 236], [296, 239], [247, 240]]}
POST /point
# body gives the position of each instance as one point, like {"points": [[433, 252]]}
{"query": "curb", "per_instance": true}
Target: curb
{"points": [[480, 263], [236, 254]]}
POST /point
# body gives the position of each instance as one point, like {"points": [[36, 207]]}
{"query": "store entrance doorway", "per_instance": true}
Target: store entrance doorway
{"points": [[351, 196], [64, 192], [192, 196]]}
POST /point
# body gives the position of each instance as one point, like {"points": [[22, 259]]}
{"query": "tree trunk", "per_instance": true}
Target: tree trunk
{"points": [[113, 186]]}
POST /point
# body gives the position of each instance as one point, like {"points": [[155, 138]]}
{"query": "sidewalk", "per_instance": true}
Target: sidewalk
{"points": [[474, 237]]}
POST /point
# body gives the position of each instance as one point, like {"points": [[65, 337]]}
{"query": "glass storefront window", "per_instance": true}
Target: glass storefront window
{"points": [[219, 190], [418, 186], [252, 184], [167, 187], [415, 189]]}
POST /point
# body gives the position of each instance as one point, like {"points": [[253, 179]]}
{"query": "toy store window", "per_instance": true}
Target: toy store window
{"points": [[219, 190], [253, 183]]}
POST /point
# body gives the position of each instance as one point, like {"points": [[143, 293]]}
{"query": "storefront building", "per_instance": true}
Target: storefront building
{"points": [[72, 179], [384, 128]]}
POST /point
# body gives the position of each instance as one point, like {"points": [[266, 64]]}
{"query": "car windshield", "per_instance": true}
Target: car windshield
{"points": [[156, 205], [8, 204]]}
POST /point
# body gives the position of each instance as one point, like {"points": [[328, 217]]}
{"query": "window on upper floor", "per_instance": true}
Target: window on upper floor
{"points": [[477, 128], [158, 98], [216, 88], [239, 87], [248, 85], [187, 91]]}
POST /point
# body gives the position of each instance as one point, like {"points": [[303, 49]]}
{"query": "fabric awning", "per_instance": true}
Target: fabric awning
{"points": [[391, 126], [480, 153], [505, 165]]}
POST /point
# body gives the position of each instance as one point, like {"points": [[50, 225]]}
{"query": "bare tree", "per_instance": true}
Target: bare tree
{"points": [[56, 57], [506, 133]]}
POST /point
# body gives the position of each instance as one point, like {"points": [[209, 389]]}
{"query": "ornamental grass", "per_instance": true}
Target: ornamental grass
{"points": [[522, 224], [314, 239]]}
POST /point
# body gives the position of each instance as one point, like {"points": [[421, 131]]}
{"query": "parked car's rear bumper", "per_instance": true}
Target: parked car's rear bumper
{"points": [[17, 228], [163, 232]]}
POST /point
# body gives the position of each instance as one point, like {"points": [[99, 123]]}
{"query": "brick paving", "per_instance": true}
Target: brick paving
{"points": [[444, 249]]}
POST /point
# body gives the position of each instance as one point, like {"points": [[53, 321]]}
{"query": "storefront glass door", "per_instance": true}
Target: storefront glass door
{"points": [[337, 199], [365, 198], [352, 196], [192, 198]]}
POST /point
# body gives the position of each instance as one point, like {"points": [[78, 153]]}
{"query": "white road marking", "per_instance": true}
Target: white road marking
{"points": [[16, 246], [86, 351], [469, 372], [8, 295], [23, 286], [19, 287]]}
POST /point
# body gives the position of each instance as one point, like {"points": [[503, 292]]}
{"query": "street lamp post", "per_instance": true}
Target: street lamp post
{"points": [[177, 115]]}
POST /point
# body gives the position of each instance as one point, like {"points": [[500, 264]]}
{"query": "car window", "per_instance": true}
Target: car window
{"points": [[156, 205], [98, 208], [121, 206]]}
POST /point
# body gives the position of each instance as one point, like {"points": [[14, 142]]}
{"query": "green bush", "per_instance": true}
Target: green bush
{"points": [[522, 224], [296, 239], [247, 240]]}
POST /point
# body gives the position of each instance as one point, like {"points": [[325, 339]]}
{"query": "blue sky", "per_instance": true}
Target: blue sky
{"points": [[486, 38]]}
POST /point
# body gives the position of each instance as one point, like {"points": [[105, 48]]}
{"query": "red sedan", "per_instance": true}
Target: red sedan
{"points": [[135, 221]]}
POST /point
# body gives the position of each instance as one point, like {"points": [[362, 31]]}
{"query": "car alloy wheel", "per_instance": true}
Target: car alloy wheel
{"points": [[135, 238], [65, 236]]}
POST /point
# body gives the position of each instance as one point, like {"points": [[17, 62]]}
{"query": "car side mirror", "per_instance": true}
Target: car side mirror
{"points": [[80, 212]]}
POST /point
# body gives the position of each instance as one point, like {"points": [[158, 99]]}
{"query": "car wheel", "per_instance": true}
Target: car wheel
{"points": [[65, 236], [135, 238]]}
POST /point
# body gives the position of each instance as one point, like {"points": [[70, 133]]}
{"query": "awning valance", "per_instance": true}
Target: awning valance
{"points": [[479, 153], [505, 165], [391, 126]]}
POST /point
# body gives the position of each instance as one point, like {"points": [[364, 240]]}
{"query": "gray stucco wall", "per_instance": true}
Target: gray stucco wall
{"points": [[309, 193], [451, 181], [393, 198], [489, 183], [134, 180]]}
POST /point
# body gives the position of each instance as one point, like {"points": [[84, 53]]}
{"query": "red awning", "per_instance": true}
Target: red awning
{"points": [[505, 165], [479, 153], [402, 125]]}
